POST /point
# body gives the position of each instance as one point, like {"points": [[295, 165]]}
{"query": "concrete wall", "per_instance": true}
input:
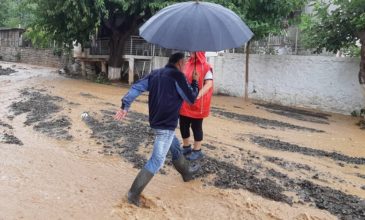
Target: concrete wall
{"points": [[319, 82], [42, 57]]}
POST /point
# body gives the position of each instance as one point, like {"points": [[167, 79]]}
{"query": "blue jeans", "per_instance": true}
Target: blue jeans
{"points": [[165, 140]]}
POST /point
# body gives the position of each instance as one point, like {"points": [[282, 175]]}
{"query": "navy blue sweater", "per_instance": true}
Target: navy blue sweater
{"points": [[167, 88]]}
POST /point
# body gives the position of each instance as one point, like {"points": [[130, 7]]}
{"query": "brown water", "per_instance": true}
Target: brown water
{"points": [[58, 179]]}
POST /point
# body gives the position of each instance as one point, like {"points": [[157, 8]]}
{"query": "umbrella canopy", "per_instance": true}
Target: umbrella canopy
{"points": [[196, 26]]}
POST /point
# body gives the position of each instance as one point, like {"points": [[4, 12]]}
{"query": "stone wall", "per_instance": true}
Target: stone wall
{"points": [[42, 57]]}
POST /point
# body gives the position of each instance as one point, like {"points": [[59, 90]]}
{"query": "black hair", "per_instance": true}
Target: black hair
{"points": [[174, 58]]}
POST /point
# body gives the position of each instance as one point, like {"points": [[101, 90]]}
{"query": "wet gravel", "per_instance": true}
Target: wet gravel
{"points": [[6, 71], [291, 166], [299, 114], [123, 138], [10, 139], [230, 176], [130, 137], [338, 203], [285, 146], [41, 112], [56, 128], [262, 122], [5, 125]]}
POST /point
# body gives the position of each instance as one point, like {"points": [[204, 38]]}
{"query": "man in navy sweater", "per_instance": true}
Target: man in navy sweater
{"points": [[167, 88]]}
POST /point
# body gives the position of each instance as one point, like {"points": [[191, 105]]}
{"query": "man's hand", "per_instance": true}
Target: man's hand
{"points": [[195, 76], [120, 114]]}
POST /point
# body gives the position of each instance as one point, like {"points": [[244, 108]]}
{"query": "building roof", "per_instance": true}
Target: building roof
{"points": [[12, 29]]}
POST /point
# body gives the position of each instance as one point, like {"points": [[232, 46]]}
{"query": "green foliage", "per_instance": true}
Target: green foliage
{"points": [[354, 113], [266, 16], [352, 51], [4, 9], [68, 20], [38, 37], [75, 20], [16, 13], [102, 78], [360, 113], [334, 28], [58, 51]]}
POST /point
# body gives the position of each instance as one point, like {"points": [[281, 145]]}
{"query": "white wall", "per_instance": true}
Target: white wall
{"points": [[325, 83], [319, 82]]}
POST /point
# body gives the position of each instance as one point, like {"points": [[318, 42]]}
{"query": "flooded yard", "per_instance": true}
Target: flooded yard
{"points": [[262, 161]]}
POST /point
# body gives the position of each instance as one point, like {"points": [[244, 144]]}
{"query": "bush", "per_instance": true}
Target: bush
{"points": [[102, 78]]}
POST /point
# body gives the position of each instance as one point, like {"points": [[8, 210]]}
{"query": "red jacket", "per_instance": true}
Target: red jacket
{"points": [[201, 108]]}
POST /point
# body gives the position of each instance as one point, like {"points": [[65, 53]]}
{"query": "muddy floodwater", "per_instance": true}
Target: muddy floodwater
{"points": [[263, 161]]}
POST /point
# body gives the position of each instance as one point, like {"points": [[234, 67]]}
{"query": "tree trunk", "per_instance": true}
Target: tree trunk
{"points": [[362, 62], [116, 47], [247, 62]]}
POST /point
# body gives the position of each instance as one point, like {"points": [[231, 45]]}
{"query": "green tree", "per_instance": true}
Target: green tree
{"points": [[67, 21], [4, 9], [75, 20], [16, 13], [337, 25]]}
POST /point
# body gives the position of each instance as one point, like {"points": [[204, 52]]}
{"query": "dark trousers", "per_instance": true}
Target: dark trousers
{"points": [[195, 124]]}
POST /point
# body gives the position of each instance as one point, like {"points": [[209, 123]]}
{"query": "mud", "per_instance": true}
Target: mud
{"points": [[285, 146], [41, 112], [142, 101], [10, 139], [299, 114], [6, 71], [262, 122], [88, 95], [125, 139], [361, 124], [361, 175], [209, 146]]}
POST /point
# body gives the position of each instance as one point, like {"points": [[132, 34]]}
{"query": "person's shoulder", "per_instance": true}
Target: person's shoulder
{"points": [[178, 75]]}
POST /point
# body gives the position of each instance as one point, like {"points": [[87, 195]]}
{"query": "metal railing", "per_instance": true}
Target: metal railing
{"points": [[136, 46]]}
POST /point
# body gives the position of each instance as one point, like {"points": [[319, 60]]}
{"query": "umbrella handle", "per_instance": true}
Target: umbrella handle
{"points": [[195, 63]]}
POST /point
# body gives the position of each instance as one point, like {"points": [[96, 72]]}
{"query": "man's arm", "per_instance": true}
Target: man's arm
{"points": [[186, 91], [137, 89]]}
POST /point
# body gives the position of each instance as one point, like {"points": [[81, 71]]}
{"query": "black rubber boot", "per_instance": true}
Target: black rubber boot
{"points": [[185, 168], [141, 181]]}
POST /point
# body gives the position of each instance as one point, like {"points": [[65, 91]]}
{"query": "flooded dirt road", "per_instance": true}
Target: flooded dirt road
{"points": [[262, 161]]}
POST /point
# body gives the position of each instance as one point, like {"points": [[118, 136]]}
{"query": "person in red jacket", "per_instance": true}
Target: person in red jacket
{"points": [[193, 115]]}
